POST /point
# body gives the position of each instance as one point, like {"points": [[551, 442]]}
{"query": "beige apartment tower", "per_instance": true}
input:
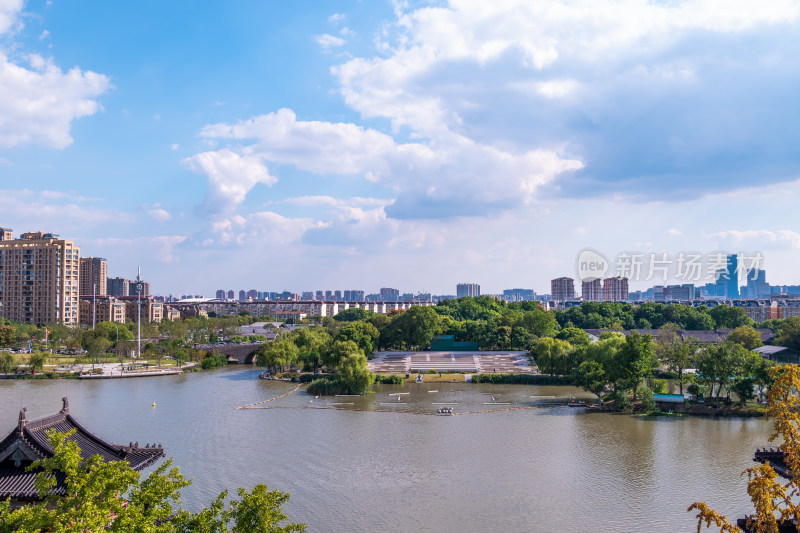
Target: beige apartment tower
{"points": [[93, 276], [615, 289], [591, 290], [39, 274], [562, 289]]}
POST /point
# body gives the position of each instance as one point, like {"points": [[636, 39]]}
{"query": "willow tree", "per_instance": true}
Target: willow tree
{"points": [[774, 500]]}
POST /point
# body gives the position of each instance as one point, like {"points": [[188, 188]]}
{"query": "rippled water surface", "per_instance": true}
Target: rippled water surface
{"points": [[546, 468]]}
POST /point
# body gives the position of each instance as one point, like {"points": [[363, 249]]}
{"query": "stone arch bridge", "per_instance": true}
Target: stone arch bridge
{"points": [[243, 353]]}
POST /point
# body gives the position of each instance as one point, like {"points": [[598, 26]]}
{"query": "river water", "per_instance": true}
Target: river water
{"points": [[542, 469]]}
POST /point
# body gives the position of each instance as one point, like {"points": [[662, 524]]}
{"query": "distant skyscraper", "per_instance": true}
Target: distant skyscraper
{"points": [[337, 296], [93, 276], [319, 296], [307, 296], [733, 276], [220, 294], [231, 295], [727, 279], [252, 294], [242, 295], [389, 295], [756, 284], [562, 289], [615, 289], [328, 296], [468, 289], [591, 290]]}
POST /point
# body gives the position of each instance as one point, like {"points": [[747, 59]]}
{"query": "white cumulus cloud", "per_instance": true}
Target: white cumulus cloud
{"points": [[231, 176]]}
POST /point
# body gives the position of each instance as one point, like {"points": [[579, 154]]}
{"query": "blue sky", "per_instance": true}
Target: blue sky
{"points": [[347, 144]]}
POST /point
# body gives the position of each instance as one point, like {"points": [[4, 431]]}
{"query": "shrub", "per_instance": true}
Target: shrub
{"points": [[213, 360], [693, 389], [389, 380], [648, 402], [520, 379], [660, 386], [326, 387], [621, 401]]}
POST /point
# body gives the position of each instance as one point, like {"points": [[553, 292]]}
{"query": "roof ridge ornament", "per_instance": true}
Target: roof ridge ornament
{"points": [[22, 421], [65, 408]]}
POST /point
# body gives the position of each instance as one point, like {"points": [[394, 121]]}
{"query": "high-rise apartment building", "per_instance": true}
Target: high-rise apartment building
{"points": [[389, 294], [468, 289], [220, 295], [39, 278], [231, 295], [615, 289], [353, 296], [591, 290], [118, 287], [93, 276], [319, 296], [562, 289], [252, 294], [137, 287], [242, 295], [6, 234]]}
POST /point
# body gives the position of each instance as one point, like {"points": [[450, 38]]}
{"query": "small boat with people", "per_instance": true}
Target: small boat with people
{"points": [[573, 402]]}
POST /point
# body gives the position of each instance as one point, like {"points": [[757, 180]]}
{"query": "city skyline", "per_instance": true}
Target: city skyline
{"points": [[399, 144]]}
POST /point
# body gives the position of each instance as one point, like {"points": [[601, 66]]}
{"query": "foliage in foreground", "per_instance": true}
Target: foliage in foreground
{"points": [[772, 497], [110, 496]]}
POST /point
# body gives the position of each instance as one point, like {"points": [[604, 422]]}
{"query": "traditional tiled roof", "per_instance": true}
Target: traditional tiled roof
{"points": [[28, 442], [775, 459]]}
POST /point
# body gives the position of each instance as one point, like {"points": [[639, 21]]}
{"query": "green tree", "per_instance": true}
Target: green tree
{"points": [[552, 356], [36, 361], [8, 335], [726, 317], [746, 336], [591, 377], [416, 327], [337, 352], [677, 353], [352, 315], [574, 336], [723, 364], [7, 362], [635, 361], [312, 343], [790, 334], [352, 372], [364, 334], [277, 354]]}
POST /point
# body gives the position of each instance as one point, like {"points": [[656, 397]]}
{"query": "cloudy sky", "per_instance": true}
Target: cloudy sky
{"points": [[350, 144]]}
